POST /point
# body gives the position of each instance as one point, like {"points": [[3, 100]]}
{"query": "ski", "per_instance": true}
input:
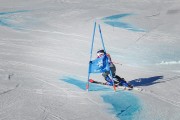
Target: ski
{"points": [[96, 82], [117, 86]]}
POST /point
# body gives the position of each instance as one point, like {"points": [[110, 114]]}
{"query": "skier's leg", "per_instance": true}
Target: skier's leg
{"points": [[107, 78], [118, 79], [113, 70], [122, 82]]}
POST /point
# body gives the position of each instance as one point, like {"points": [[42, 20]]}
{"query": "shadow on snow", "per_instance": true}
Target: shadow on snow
{"points": [[146, 81]]}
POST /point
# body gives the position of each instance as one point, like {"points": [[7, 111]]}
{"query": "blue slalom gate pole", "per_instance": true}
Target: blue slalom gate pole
{"points": [[92, 44], [105, 52], [102, 38], [87, 85]]}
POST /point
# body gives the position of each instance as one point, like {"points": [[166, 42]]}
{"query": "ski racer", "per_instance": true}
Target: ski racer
{"points": [[116, 79]]}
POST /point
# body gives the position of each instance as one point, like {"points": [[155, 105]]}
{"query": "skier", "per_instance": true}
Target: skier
{"points": [[117, 80]]}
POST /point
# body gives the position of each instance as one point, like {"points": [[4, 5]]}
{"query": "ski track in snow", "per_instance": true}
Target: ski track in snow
{"points": [[4, 92], [113, 21], [40, 67], [69, 93], [158, 96], [56, 32]]}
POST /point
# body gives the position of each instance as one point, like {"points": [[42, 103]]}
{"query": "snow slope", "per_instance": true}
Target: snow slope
{"points": [[45, 49]]}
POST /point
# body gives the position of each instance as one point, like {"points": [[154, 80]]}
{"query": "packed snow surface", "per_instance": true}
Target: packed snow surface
{"points": [[45, 50]]}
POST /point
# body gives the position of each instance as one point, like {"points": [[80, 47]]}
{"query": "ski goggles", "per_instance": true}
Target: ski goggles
{"points": [[100, 54]]}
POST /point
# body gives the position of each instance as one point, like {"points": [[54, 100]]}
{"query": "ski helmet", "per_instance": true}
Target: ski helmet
{"points": [[100, 53]]}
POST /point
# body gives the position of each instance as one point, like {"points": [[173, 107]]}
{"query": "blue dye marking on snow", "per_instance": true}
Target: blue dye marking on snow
{"points": [[82, 84], [115, 17], [13, 12], [124, 104], [120, 24], [116, 21], [5, 22], [6, 19]]}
